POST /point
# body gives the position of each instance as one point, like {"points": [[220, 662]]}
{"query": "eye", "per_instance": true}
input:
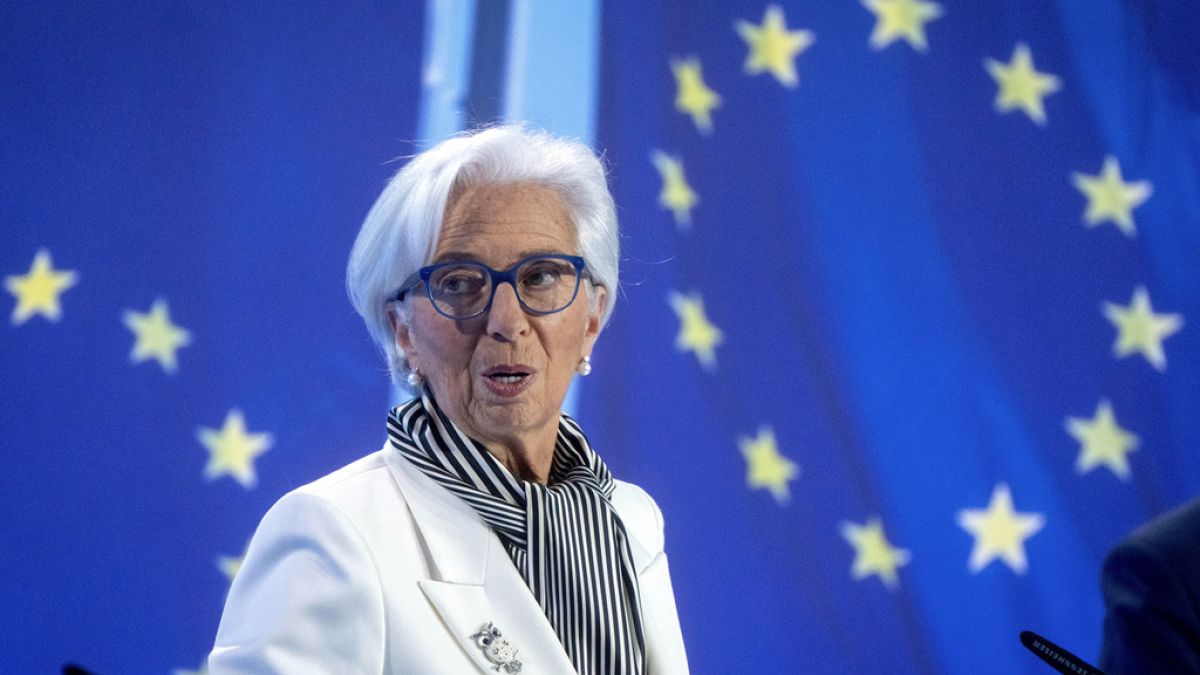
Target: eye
{"points": [[458, 281], [544, 274]]}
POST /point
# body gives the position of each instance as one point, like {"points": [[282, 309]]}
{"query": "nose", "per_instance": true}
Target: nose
{"points": [[506, 320]]}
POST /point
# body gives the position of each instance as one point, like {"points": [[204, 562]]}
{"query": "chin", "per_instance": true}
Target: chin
{"points": [[502, 414]]}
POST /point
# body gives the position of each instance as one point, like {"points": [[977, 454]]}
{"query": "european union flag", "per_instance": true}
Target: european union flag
{"points": [[906, 338], [904, 346], [181, 184]]}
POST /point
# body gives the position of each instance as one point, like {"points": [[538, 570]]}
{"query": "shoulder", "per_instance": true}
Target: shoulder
{"points": [[354, 500], [640, 514], [308, 590], [344, 482], [1173, 536], [1151, 587], [350, 488], [1165, 545]]}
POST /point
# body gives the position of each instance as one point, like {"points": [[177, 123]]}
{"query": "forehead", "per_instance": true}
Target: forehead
{"points": [[499, 223]]}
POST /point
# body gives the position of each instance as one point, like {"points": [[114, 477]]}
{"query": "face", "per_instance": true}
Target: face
{"points": [[502, 376]]}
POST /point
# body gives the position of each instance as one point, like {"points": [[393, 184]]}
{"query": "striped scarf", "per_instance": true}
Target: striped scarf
{"points": [[565, 539]]}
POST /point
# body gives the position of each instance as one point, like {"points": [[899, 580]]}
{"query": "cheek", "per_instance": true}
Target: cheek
{"points": [[453, 358], [440, 346], [565, 343]]}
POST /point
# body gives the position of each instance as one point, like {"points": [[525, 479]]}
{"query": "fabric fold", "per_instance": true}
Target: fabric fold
{"points": [[565, 538]]}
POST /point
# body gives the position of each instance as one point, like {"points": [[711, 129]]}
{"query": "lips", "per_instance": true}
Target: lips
{"points": [[508, 380]]}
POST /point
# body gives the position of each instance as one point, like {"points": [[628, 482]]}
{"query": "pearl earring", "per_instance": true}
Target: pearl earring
{"points": [[585, 366], [414, 378]]}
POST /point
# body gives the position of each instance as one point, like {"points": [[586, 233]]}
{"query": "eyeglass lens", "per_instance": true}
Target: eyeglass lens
{"points": [[542, 284]]}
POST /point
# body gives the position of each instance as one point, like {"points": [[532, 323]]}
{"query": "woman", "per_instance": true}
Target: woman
{"points": [[486, 535]]}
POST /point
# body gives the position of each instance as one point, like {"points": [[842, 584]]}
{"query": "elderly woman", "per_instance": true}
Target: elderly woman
{"points": [[486, 536]]}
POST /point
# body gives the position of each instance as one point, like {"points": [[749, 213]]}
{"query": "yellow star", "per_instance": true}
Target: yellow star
{"points": [[1111, 198], [906, 19], [999, 531], [155, 336], [765, 467], [1102, 441], [676, 195], [1140, 330], [1020, 86], [230, 565], [231, 451], [696, 333], [873, 554], [692, 96], [773, 48], [37, 292]]}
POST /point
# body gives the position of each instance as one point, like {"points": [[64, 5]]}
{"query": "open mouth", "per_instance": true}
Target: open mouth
{"points": [[508, 376], [508, 381]]}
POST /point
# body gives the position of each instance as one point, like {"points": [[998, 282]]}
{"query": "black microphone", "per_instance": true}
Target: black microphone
{"points": [[72, 669], [1060, 659]]}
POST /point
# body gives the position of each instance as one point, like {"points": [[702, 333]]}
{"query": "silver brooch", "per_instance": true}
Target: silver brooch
{"points": [[498, 651]]}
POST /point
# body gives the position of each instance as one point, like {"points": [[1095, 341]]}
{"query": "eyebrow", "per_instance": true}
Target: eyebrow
{"points": [[462, 256]]}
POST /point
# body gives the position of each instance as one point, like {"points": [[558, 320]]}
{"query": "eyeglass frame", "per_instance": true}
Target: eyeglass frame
{"points": [[496, 277]]}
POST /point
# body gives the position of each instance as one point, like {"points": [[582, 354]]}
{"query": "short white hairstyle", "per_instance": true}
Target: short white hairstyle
{"points": [[400, 233]]}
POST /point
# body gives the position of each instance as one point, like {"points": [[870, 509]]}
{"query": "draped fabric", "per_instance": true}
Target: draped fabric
{"points": [[565, 538]]}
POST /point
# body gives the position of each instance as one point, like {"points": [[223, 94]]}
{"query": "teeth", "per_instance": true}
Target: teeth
{"points": [[507, 379]]}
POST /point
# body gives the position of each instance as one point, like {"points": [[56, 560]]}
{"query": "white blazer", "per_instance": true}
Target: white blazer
{"points": [[376, 568]]}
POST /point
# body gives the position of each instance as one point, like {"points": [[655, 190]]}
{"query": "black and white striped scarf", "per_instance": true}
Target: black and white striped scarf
{"points": [[565, 539]]}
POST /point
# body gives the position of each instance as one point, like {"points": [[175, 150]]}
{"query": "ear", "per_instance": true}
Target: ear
{"points": [[403, 336], [592, 331]]}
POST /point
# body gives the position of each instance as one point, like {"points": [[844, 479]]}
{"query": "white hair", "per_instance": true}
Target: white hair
{"points": [[400, 233]]}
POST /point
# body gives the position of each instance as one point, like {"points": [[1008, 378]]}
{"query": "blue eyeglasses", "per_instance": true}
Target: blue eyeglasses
{"points": [[544, 284]]}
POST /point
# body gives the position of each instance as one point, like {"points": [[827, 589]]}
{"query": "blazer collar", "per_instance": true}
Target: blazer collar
{"points": [[474, 580], [457, 538]]}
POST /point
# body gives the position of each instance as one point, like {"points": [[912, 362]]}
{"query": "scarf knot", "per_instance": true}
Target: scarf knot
{"points": [[565, 538]]}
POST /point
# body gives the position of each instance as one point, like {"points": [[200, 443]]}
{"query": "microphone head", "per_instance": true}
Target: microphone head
{"points": [[1058, 658]]}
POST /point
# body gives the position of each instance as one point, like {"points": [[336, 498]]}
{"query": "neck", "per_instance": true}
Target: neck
{"points": [[527, 453], [526, 458]]}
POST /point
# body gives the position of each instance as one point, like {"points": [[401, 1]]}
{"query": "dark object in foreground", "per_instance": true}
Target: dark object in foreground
{"points": [[1060, 659], [1151, 585]]}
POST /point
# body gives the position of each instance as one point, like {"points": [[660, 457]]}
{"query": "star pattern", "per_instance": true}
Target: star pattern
{"points": [[765, 467], [1102, 442], [692, 95], [773, 48], [37, 291], [901, 19], [873, 554], [999, 531], [1140, 330], [1021, 87], [156, 337], [1110, 198], [696, 333], [676, 195], [232, 451]]}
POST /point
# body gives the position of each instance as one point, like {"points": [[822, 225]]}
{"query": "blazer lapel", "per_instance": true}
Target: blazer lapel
{"points": [[474, 580]]}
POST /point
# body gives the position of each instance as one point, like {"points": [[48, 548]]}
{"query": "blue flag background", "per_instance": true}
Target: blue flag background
{"points": [[906, 339], [219, 157]]}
